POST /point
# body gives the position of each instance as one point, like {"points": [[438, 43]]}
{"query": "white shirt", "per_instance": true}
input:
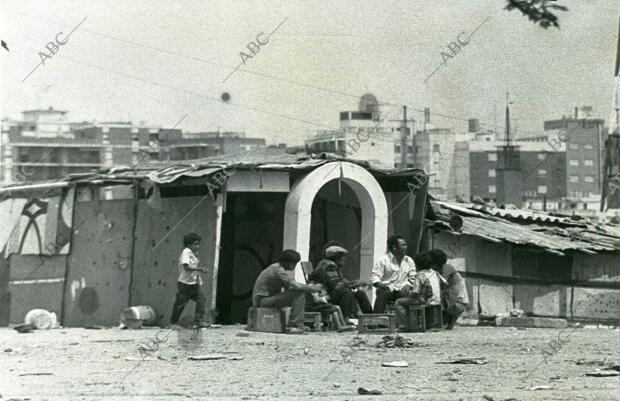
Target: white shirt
{"points": [[388, 271], [188, 277]]}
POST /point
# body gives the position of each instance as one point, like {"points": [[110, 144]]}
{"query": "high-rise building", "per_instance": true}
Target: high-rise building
{"points": [[44, 145], [361, 136], [584, 138]]}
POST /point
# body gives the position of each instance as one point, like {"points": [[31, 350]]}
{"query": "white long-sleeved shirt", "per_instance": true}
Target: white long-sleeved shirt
{"points": [[388, 271]]}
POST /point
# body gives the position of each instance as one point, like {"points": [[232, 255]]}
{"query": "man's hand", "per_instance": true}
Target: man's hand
{"points": [[203, 269], [381, 286]]}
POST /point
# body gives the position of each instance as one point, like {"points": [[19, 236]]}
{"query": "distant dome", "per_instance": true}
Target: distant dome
{"points": [[369, 103]]}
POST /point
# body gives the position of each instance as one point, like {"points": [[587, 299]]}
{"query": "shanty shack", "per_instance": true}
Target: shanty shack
{"points": [[550, 266], [90, 245]]}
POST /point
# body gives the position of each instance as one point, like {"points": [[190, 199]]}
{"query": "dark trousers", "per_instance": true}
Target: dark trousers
{"points": [[344, 298], [185, 293], [383, 298], [363, 301], [295, 299]]}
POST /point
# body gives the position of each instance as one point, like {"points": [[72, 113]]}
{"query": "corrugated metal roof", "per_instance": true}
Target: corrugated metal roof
{"points": [[554, 236], [256, 160]]}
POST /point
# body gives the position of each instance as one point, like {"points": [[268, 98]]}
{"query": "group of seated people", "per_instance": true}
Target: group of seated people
{"points": [[398, 280]]}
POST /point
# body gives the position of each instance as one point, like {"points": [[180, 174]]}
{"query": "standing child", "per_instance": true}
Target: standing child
{"points": [[189, 282]]}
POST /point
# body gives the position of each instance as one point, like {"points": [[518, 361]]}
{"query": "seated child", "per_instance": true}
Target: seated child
{"points": [[455, 299], [320, 304], [423, 289]]}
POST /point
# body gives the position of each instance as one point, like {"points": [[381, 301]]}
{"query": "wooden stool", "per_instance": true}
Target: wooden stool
{"points": [[416, 318], [270, 320], [383, 321], [313, 319], [433, 316]]}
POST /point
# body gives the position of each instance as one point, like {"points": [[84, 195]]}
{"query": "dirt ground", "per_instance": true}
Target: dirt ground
{"points": [[82, 364]]}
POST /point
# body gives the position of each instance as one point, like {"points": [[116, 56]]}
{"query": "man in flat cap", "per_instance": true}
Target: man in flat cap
{"points": [[341, 292]]}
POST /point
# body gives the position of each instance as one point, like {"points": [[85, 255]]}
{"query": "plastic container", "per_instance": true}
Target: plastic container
{"points": [[145, 313], [41, 319]]}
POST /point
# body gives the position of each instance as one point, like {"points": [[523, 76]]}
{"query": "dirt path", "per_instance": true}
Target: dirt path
{"points": [[92, 365]]}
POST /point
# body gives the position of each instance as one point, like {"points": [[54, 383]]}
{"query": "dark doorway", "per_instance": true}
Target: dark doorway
{"points": [[252, 232]]}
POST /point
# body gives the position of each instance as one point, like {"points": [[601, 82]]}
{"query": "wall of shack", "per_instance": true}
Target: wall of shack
{"points": [[588, 290]]}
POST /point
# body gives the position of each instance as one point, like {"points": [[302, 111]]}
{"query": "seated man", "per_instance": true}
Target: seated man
{"points": [[391, 272], [424, 289], [276, 287], [341, 292]]}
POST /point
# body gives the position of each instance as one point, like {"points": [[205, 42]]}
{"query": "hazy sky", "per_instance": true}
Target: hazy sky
{"points": [[158, 61]]}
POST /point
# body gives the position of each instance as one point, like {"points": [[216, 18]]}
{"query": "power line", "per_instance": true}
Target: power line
{"points": [[263, 75]]}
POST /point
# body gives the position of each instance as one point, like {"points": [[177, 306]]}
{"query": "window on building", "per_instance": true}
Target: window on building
{"points": [[397, 148], [410, 149], [588, 178], [542, 189], [492, 157], [574, 178], [573, 146], [492, 172], [436, 147], [542, 172], [409, 165], [24, 158], [541, 156], [588, 162], [492, 189], [573, 162], [588, 146], [417, 149]]}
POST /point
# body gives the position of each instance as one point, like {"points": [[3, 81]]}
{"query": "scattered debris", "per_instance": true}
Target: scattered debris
{"points": [[603, 373], [8, 349], [243, 334], [397, 341], [235, 358], [163, 358], [207, 357], [93, 327], [135, 359], [336, 385], [467, 361], [395, 364], [37, 374], [334, 359], [215, 326], [24, 328], [542, 388], [306, 351], [108, 341], [365, 391]]}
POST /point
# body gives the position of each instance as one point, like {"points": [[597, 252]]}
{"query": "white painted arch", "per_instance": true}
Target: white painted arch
{"points": [[298, 212]]}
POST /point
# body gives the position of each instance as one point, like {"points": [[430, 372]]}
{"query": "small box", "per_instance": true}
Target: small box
{"points": [[271, 320], [313, 319], [416, 318], [376, 322], [434, 317]]}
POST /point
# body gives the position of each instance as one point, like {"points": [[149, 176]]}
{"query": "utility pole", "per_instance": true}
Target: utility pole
{"points": [[404, 134]]}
